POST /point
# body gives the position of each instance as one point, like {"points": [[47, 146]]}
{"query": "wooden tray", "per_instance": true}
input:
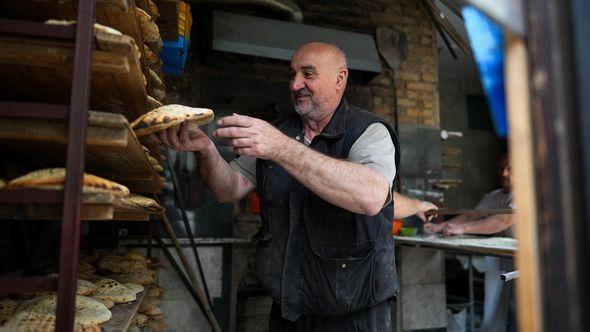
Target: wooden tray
{"points": [[118, 14], [112, 149], [101, 206], [40, 70]]}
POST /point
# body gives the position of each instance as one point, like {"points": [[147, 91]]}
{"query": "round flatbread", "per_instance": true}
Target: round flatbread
{"points": [[154, 103], [149, 29], [110, 289], [145, 150], [54, 178], [84, 287], [88, 310], [150, 56], [135, 288], [140, 319], [144, 277], [85, 269], [132, 254], [155, 290], [2, 183], [153, 9], [7, 308], [155, 164], [107, 303], [144, 203], [155, 78], [149, 306], [170, 116], [160, 94], [27, 321], [98, 28]]}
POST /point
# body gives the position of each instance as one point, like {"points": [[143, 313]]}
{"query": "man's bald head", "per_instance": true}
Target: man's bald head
{"points": [[318, 78], [332, 52]]}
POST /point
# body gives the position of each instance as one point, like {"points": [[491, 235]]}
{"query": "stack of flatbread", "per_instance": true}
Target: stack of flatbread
{"points": [[169, 116], [149, 307], [2, 184], [54, 178]]}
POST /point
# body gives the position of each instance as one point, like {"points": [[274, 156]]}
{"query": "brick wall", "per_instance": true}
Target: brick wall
{"points": [[416, 78]]}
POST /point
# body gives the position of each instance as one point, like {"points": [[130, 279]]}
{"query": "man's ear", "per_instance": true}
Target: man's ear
{"points": [[342, 78]]}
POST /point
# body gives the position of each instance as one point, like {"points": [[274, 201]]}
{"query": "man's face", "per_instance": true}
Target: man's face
{"points": [[313, 84], [506, 176]]}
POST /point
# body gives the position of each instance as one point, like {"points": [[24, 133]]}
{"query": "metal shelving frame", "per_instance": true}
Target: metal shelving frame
{"points": [[70, 197]]}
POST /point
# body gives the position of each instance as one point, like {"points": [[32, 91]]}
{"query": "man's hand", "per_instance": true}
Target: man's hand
{"points": [[251, 136], [453, 229], [424, 206], [434, 228], [180, 138]]}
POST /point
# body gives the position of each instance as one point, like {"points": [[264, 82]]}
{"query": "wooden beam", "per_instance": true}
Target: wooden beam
{"points": [[522, 146]]}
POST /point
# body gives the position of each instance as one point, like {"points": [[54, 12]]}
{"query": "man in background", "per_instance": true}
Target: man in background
{"points": [[498, 301]]}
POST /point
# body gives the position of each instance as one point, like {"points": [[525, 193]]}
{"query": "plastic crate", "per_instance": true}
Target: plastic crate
{"points": [[174, 52], [174, 55]]}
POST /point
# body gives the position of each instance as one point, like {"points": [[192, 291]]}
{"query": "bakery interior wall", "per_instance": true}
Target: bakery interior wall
{"points": [[463, 108]]}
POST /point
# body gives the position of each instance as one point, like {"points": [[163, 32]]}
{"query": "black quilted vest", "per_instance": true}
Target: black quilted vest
{"points": [[314, 257]]}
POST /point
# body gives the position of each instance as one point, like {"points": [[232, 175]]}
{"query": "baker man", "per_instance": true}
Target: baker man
{"points": [[324, 175], [498, 301]]}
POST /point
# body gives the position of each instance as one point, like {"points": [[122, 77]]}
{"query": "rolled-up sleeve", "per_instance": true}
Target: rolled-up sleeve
{"points": [[375, 149]]}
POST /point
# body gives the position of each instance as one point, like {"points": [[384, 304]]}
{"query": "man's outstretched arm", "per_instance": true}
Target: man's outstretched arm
{"points": [[405, 206], [226, 184], [351, 186]]}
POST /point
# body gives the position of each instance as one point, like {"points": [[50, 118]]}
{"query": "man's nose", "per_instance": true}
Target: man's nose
{"points": [[297, 83]]}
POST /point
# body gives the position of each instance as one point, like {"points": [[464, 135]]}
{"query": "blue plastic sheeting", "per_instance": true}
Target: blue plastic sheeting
{"points": [[487, 43]]}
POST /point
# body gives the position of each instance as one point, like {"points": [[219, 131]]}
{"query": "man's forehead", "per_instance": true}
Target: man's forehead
{"points": [[310, 60], [303, 67]]}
